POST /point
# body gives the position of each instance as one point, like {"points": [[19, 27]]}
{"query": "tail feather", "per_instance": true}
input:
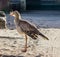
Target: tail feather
{"points": [[43, 36]]}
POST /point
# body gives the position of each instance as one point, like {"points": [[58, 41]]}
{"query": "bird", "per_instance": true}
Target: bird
{"points": [[25, 28], [3, 18], [2, 14]]}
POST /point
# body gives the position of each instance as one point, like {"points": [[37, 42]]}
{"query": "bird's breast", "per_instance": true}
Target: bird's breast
{"points": [[19, 30]]}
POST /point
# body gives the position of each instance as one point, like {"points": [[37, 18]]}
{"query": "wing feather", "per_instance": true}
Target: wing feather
{"points": [[25, 26]]}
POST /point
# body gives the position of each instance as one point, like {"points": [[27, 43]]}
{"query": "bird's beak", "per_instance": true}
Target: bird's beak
{"points": [[11, 14]]}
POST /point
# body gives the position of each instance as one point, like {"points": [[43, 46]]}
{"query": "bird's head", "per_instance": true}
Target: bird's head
{"points": [[15, 14]]}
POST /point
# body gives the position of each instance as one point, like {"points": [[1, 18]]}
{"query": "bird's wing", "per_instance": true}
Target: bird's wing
{"points": [[30, 30], [25, 26]]}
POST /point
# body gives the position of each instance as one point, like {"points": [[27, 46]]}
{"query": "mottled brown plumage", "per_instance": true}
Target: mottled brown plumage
{"points": [[26, 28]]}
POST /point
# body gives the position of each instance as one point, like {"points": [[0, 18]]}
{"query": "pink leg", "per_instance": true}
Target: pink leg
{"points": [[25, 48]]}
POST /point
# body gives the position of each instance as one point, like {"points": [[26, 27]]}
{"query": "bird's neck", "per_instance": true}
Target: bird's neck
{"points": [[17, 19]]}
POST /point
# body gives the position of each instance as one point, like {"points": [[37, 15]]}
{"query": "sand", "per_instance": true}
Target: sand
{"points": [[39, 47]]}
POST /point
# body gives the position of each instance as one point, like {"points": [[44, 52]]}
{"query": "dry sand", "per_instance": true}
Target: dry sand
{"points": [[39, 47]]}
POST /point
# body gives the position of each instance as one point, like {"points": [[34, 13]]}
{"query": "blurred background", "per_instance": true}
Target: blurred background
{"points": [[24, 5], [41, 12]]}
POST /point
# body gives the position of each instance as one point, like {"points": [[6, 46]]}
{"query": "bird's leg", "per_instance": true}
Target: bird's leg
{"points": [[26, 43], [25, 48]]}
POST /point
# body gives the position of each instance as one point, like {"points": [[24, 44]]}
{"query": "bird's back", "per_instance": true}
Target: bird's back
{"points": [[25, 26]]}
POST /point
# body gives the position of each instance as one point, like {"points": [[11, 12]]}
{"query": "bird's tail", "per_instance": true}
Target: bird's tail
{"points": [[43, 36]]}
